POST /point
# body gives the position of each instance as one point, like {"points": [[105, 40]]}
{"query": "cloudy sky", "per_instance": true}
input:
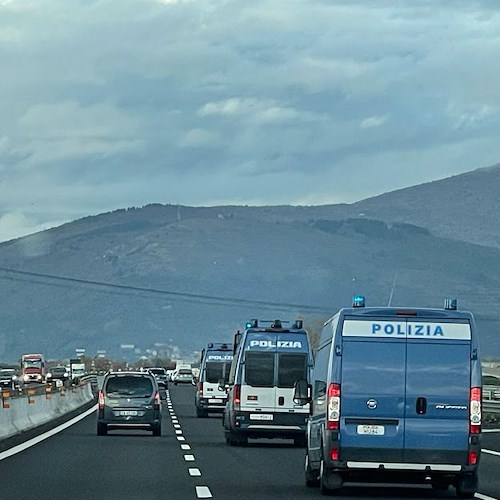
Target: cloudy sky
{"points": [[109, 104]]}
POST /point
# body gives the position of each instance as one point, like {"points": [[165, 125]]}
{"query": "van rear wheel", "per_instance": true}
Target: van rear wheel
{"points": [[233, 439], [300, 441], [102, 429], [312, 476], [329, 481], [466, 486]]}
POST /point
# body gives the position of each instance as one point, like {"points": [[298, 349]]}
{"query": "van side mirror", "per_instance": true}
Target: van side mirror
{"points": [[302, 392]]}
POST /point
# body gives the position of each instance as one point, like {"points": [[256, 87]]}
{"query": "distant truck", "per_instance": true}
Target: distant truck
{"points": [[77, 370], [32, 368]]}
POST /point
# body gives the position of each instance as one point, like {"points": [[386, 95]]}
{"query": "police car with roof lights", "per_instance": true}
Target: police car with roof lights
{"points": [[395, 396], [215, 364], [267, 362]]}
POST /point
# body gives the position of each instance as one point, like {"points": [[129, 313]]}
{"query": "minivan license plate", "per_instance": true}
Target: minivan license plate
{"points": [[128, 413], [371, 430]]}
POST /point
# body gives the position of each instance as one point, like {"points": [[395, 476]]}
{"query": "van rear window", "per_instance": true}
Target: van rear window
{"points": [[259, 369], [292, 367]]}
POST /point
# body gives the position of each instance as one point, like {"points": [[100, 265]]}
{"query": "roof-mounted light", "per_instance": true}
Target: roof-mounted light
{"points": [[450, 304], [253, 323], [276, 324], [358, 301], [298, 324]]}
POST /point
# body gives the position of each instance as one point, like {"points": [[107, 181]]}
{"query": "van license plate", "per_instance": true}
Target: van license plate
{"points": [[128, 413], [215, 400], [260, 416], [371, 430]]}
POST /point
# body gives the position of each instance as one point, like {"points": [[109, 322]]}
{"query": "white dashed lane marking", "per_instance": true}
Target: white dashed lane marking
{"points": [[203, 492]]}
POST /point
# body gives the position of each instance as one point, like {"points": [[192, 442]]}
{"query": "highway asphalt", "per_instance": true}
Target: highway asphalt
{"points": [[190, 460]]}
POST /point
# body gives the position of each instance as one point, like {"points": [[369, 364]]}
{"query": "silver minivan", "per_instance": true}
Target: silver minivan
{"points": [[129, 400]]}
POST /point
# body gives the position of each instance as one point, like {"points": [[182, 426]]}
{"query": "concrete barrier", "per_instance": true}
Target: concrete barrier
{"points": [[22, 413]]}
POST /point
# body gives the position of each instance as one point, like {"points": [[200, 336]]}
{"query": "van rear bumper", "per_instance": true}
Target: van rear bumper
{"points": [[211, 404], [277, 424]]}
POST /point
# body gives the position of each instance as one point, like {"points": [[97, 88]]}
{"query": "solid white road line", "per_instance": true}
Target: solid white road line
{"points": [[203, 492], [491, 452], [484, 497], [45, 435]]}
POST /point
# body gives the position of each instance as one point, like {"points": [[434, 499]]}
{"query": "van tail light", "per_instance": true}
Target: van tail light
{"points": [[472, 457], [156, 403], [332, 423], [475, 410], [237, 396], [200, 388], [334, 454], [101, 400]]}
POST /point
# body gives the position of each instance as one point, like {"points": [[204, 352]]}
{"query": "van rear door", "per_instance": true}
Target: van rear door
{"points": [[437, 391], [372, 390]]}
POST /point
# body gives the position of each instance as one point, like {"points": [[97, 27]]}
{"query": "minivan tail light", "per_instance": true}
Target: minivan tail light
{"points": [[101, 400], [475, 410], [237, 396], [156, 404], [332, 423]]}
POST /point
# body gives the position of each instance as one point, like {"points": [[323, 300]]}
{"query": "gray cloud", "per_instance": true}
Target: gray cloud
{"points": [[117, 103]]}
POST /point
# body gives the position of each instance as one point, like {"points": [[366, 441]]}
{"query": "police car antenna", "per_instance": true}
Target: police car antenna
{"points": [[392, 290]]}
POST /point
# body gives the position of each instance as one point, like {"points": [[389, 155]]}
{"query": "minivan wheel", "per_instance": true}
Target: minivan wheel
{"points": [[102, 429], [328, 481], [157, 430], [466, 486], [312, 476]]}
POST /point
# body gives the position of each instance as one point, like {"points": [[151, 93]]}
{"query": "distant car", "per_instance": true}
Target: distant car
{"points": [[160, 375], [129, 400], [9, 378], [491, 387], [59, 372], [183, 376]]}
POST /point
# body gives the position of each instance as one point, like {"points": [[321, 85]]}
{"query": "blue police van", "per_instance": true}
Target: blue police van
{"points": [[215, 364], [269, 358], [395, 397]]}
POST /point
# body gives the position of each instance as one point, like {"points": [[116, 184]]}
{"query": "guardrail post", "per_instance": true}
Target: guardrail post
{"points": [[5, 399]]}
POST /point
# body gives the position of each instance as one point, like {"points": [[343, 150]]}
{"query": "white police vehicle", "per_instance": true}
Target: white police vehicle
{"points": [[215, 364], [395, 396], [268, 360]]}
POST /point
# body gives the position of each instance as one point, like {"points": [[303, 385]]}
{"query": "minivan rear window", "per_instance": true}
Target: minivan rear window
{"points": [[292, 367], [138, 387], [259, 369]]}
